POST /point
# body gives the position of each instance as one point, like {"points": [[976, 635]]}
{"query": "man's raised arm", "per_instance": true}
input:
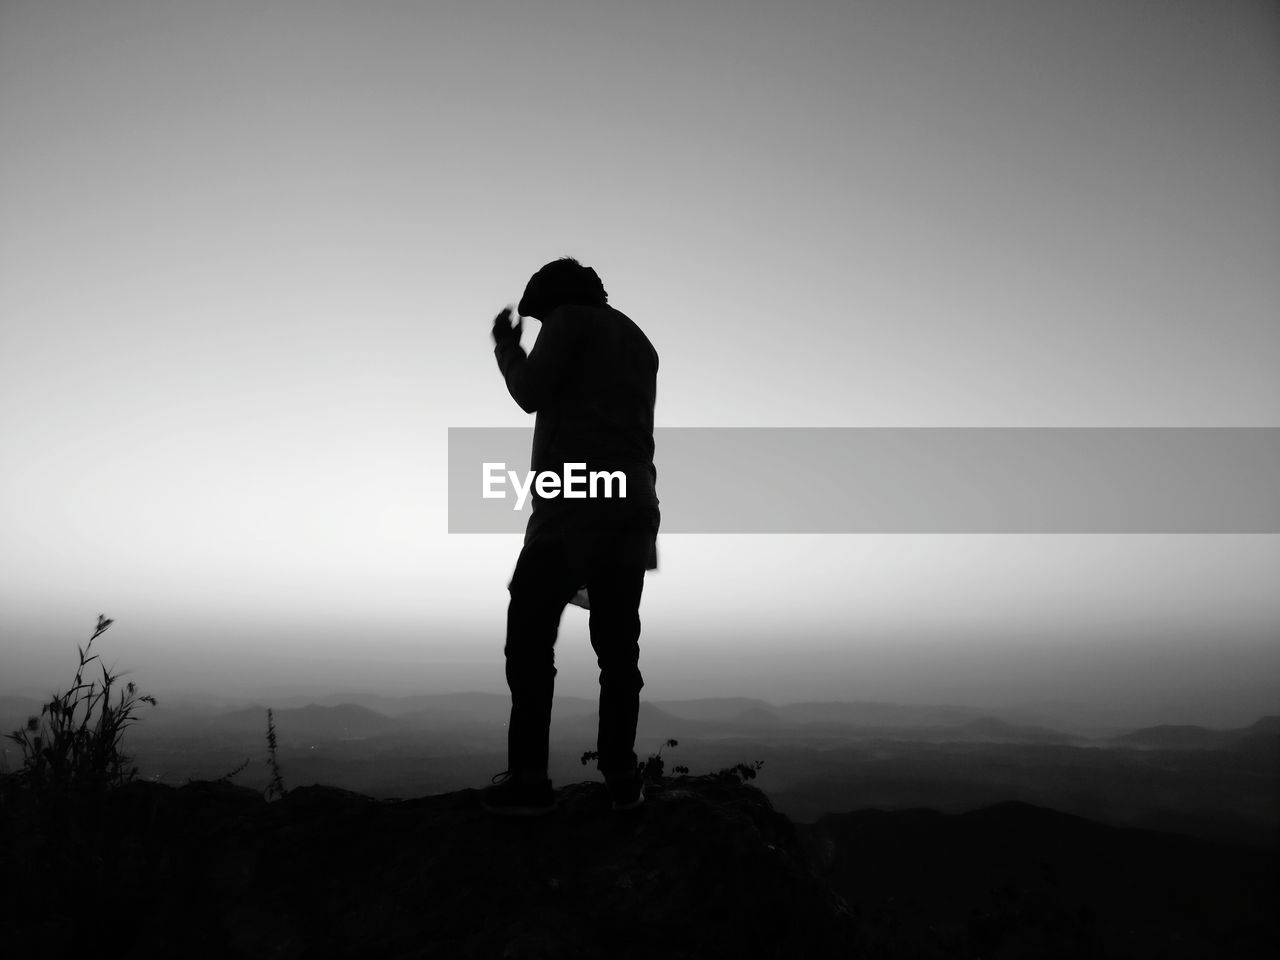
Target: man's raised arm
{"points": [[534, 379]]}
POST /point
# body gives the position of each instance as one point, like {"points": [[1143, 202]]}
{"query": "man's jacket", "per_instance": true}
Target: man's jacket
{"points": [[591, 379]]}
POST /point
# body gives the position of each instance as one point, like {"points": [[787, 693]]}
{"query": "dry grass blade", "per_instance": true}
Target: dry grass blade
{"points": [[76, 742]]}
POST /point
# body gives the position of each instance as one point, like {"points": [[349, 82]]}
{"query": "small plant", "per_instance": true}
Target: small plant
{"points": [[650, 769], [742, 772], [275, 787], [76, 742]]}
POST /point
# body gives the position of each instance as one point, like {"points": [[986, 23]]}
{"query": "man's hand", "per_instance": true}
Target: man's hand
{"points": [[503, 330]]}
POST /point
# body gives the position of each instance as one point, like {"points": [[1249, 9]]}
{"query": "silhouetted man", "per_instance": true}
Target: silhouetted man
{"points": [[591, 379]]}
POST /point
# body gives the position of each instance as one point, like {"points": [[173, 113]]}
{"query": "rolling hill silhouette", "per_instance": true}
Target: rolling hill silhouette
{"points": [[824, 757], [1191, 737]]}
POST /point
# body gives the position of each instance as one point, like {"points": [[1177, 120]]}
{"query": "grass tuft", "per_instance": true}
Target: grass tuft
{"points": [[76, 743]]}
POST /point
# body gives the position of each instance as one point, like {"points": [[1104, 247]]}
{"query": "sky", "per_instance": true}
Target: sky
{"points": [[250, 254]]}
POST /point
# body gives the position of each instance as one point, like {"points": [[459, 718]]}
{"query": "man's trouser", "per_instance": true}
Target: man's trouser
{"points": [[549, 571]]}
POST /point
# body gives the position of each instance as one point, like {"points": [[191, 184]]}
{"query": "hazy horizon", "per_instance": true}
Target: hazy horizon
{"points": [[1098, 683], [249, 261]]}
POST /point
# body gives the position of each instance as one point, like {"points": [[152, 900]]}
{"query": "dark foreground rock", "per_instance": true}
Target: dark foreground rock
{"points": [[1015, 880], [705, 869]]}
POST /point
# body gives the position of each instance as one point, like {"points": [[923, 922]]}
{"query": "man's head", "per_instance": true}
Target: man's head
{"points": [[561, 281]]}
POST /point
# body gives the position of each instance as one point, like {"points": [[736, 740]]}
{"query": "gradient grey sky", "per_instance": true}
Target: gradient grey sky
{"points": [[250, 254]]}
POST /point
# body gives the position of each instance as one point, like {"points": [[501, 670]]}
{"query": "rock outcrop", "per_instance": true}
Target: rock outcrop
{"points": [[705, 869]]}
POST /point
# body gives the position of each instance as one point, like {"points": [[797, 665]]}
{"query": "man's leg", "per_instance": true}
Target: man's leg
{"points": [[615, 585], [540, 588]]}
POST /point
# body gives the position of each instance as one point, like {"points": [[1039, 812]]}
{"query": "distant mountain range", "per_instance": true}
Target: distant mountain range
{"points": [[818, 757], [1260, 735], [341, 717]]}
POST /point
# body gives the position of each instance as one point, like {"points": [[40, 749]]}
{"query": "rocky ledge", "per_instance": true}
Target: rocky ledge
{"points": [[706, 869]]}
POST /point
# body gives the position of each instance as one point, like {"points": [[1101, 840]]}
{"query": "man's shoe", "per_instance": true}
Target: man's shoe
{"points": [[627, 793], [511, 798]]}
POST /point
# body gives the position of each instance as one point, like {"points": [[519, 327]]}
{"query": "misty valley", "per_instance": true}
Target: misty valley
{"points": [[818, 758]]}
